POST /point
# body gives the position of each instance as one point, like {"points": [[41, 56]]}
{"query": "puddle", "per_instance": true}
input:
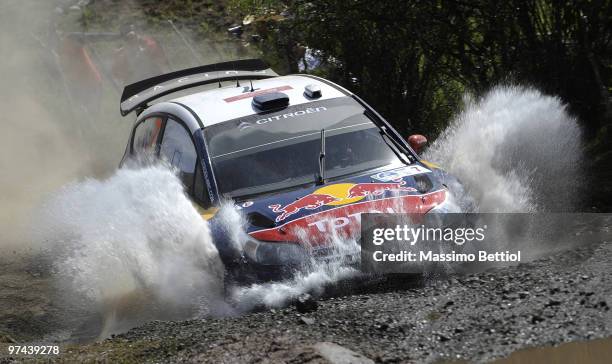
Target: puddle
{"points": [[587, 352]]}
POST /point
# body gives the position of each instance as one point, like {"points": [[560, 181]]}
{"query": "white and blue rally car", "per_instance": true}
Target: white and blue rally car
{"points": [[300, 156]]}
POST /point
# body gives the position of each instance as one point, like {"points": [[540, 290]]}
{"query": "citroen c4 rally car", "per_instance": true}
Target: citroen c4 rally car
{"points": [[301, 158]]}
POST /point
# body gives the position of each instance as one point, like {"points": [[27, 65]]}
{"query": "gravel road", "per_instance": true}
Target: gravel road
{"points": [[477, 317]]}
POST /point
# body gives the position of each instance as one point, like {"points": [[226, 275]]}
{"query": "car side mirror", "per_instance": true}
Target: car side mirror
{"points": [[417, 142]]}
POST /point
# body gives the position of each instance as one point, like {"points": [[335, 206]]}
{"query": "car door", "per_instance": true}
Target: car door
{"points": [[169, 139]]}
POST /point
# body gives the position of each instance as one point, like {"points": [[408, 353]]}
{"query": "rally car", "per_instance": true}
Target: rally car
{"points": [[300, 156]]}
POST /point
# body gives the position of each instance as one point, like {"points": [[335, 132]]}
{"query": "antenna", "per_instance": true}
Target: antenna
{"points": [[237, 81], [216, 65], [252, 89]]}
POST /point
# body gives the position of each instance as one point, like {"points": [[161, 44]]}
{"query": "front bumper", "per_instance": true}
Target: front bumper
{"points": [[273, 261]]}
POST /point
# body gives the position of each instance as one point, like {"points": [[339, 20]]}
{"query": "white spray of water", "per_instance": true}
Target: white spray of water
{"points": [[135, 232], [138, 231], [312, 280], [514, 150], [234, 224], [342, 252], [134, 248], [312, 277]]}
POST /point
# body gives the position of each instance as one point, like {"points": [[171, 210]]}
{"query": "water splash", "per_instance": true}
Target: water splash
{"points": [[134, 239], [342, 254], [514, 150], [312, 277]]}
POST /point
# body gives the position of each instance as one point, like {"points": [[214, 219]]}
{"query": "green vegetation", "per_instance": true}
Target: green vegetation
{"points": [[414, 60]]}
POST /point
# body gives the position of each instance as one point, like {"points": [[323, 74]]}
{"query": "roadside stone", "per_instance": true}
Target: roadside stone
{"points": [[306, 320], [336, 354], [5, 338], [306, 303]]}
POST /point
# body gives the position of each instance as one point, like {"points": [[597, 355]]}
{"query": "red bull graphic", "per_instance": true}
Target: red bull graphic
{"points": [[377, 189], [336, 195], [308, 202], [344, 220]]}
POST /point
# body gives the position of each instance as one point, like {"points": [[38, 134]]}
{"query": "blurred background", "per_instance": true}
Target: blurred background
{"points": [[67, 62]]}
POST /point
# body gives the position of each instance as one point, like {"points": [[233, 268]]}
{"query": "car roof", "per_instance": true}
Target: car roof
{"points": [[230, 102]]}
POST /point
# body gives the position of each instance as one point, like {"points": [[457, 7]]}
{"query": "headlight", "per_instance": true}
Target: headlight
{"points": [[281, 253]]}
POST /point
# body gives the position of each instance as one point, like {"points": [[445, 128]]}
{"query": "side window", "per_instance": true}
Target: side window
{"points": [[177, 149], [146, 135], [200, 191]]}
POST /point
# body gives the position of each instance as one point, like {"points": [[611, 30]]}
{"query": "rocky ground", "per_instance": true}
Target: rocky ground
{"points": [[477, 317], [26, 307]]}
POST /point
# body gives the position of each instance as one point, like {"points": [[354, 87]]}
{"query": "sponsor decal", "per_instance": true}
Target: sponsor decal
{"points": [[317, 228], [308, 202], [326, 225], [249, 95], [337, 195], [377, 189], [243, 205], [396, 174], [309, 110], [204, 77], [246, 124]]}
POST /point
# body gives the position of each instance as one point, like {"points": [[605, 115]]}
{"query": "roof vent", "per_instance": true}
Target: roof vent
{"points": [[312, 91], [269, 101]]}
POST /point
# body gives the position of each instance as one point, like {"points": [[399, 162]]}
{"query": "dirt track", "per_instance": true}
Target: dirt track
{"points": [[479, 317]]}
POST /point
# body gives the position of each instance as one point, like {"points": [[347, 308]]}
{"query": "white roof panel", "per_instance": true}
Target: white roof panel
{"points": [[231, 102]]}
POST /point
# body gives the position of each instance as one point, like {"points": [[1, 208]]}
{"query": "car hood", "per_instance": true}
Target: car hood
{"points": [[313, 214]]}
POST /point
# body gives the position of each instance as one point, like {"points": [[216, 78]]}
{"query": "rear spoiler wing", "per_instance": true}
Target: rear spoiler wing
{"points": [[140, 93]]}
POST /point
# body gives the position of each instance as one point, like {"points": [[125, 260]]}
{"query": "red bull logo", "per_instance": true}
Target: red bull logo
{"points": [[308, 202], [336, 195], [377, 189], [315, 229]]}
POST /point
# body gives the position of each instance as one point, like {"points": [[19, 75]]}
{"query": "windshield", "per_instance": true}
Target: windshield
{"points": [[279, 150]]}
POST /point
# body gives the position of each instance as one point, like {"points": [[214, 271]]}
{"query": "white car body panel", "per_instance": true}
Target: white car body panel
{"points": [[230, 102]]}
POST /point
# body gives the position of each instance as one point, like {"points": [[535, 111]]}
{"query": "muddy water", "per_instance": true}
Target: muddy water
{"points": [[587, 352]]}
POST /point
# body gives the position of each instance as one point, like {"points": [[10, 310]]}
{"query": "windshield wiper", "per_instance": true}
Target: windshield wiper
{"points": [[321, 176]]}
